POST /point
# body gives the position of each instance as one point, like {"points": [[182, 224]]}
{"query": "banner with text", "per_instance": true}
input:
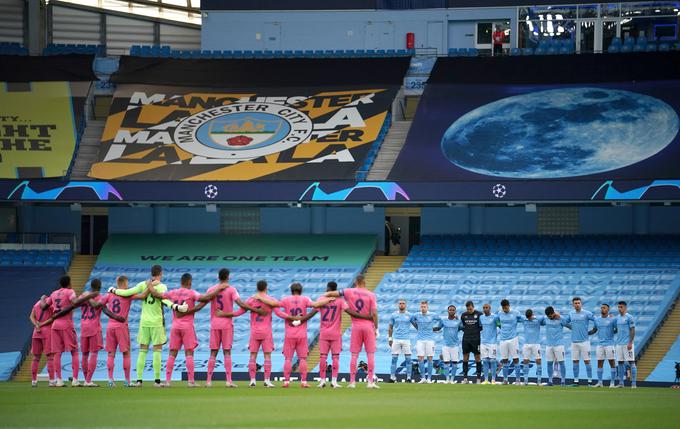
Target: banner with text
{"points": [[189, 133]]}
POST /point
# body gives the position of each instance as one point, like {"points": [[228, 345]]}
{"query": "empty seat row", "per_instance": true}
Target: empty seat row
{"points": [[168, 52], [65, 49]]}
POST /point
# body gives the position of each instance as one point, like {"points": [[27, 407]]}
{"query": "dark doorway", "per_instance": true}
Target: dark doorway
{"points": [[94, 230]]}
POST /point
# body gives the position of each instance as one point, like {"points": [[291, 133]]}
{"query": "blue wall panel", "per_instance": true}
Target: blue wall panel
{"points": [[606, 220]]}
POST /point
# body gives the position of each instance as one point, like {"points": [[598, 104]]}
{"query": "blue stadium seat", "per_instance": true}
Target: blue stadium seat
{"points": [[515, 52], [527, 51]]}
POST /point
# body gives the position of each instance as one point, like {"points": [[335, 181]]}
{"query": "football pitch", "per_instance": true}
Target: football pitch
{"points": [[393, 406]]}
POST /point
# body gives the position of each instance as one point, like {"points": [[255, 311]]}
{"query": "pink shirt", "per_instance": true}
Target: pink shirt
{"points": [[260, 326], [178, 296], [60, 299], [118, 305], [331, 319], [363, 302], [294, 305], [41, 315], [223, 301], [90, 318]]}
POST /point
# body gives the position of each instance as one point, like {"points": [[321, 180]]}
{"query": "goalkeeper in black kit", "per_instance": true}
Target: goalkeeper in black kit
{"points": [[472, 328]]}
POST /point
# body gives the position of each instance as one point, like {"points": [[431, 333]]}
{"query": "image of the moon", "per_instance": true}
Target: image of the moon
{"points": [[560, 133]]}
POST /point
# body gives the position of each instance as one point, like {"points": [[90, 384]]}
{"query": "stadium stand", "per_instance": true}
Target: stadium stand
{"points": [[168, 52], [37, 258], [534, 272], [666, 370], [342, 257], [12, 48]]}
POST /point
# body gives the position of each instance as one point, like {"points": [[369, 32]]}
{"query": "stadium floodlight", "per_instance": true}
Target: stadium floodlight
{"points": [[211, 208], [369, 208]]}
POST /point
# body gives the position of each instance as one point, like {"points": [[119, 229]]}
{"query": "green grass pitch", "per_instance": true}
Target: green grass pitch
{"points": [[393, 406]]}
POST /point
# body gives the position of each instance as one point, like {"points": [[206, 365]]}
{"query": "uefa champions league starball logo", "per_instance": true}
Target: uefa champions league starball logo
{"points": [[498, 190], [210, 191]]}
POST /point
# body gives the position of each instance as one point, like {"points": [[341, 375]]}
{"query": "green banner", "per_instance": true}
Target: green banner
{"points": [[238, 250]]}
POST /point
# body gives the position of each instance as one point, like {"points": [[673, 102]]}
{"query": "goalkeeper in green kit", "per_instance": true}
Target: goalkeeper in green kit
{"points": [[151, 324]]}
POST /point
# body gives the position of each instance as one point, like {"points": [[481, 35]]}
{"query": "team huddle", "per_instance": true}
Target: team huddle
{"points": [[484, 333]]}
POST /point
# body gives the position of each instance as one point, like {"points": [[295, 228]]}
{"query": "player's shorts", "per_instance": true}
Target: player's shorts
{"points": [[470, 345], [580, 351], [425, 348], [362, 335], [63, 340], [334, 346], [554, 353], [221, 337], [625, 355], [401, 346], [295, 345], [489, 351], [183, 337], [450, 354], [531, 351], [91, 344], [41, 345], [266, 343], [118, 338], [605, 353], [154, 336], [510, 349]]}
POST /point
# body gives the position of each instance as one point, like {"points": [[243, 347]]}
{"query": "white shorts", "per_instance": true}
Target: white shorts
{"points": [[554, 353], [450, 354], [625, 355], [425, 348], [401, 346], [489, 351], [531, 351], [605, 353], [580, 351], [510, 349]]}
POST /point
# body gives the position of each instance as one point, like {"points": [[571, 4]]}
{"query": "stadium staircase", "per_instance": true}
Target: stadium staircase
{"points": [[88, 149], [81, 267], [660, 343], [389, 151], [380, 266]]}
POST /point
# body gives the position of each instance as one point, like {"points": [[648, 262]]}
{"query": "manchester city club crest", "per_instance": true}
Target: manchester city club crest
{"points": [[243, 131]]}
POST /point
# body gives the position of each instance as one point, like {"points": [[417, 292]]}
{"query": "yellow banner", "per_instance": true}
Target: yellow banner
{"points": [[37, 130]]}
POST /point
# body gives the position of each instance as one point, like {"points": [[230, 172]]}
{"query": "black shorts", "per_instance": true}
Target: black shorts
{"points": [[470, 345]]}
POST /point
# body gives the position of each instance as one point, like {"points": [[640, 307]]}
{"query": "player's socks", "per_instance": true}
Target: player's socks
{"points": [[612, 379], [323, 362], [92, 366], [211, 368], [393, 367], [335, 368], [287, 368], [600, 372], [50, 366], [421, 368], [227, 367], [633, 374], [429, 369], [622, 373], [252, 368], [74, 364], [353, 368], [539, 373], [409, 366], [518, 372], [126, 366], [525, 373], [589, 372], [34, 367], [563, 371], [453, 370], [190, 368], [494, 369], [267, 368], [576, 369], [303, 370], [84, 365], [57, 366], [157, 364], [506, 371], [169, 365], [370, 357], [109, 366], [478, 370], [466, 368], [141, 362], [485, 369]]}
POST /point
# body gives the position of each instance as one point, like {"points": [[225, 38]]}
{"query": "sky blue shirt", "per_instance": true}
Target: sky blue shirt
{"points": [[554, 331], [425, 323], [532, 329], [489, 329], [623, 325], [450, 330], [509, 322], [605, 330], [401, 325], [578, 320]]}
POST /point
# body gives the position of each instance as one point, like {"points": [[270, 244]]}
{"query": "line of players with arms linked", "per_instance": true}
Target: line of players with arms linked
{"points": [[54, 333]]}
